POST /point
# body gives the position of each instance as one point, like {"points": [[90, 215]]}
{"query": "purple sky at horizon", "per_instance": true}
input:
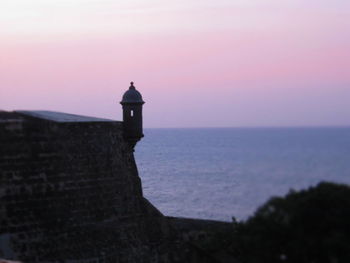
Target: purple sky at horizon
{"points": [[198, 64]]}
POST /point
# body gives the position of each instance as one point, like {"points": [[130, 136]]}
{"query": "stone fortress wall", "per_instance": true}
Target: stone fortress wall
{"points": [[70, 192]]}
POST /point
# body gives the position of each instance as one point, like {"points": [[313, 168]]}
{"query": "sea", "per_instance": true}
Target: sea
{"points": [[220, 173]]}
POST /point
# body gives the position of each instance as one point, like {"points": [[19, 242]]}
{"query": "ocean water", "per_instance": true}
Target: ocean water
{"points": [[223, 172]]}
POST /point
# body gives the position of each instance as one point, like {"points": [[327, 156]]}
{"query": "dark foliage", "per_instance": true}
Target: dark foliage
{"points": [[312, 225]]}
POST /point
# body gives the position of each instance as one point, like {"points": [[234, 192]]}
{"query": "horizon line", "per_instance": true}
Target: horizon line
{"points": [[256, 127]]}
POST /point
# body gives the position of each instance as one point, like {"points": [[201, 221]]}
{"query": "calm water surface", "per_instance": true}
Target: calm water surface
{"points": [[220, 173]]}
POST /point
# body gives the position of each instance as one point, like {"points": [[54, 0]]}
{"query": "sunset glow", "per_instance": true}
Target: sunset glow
{"points": [[197, 63]]}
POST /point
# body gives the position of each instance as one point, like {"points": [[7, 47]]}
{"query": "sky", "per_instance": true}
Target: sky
{"points": [[205, 63]]}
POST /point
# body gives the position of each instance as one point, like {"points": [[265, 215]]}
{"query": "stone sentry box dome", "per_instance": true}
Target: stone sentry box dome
{"points": [[132, 115]]}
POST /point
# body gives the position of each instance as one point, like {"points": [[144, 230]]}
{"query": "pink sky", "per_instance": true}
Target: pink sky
{"points": [[197, 63]]}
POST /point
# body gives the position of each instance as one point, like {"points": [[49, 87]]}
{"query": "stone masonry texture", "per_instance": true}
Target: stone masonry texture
{"points": [[70, 192]]}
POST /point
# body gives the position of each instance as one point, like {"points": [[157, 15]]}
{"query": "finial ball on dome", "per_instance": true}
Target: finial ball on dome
{"points": [[132, 95]]}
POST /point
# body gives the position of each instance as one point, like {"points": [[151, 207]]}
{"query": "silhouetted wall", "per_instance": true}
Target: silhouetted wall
{"points": [[71, 191]]}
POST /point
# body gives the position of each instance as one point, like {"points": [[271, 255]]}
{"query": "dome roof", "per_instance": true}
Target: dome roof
{"points": [[132, 95]]}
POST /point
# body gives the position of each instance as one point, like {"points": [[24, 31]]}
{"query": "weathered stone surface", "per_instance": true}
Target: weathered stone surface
{"points": [[70, 192]]}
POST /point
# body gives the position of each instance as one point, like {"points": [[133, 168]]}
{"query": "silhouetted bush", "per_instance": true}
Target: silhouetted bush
{"points": [[312, 225]]}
